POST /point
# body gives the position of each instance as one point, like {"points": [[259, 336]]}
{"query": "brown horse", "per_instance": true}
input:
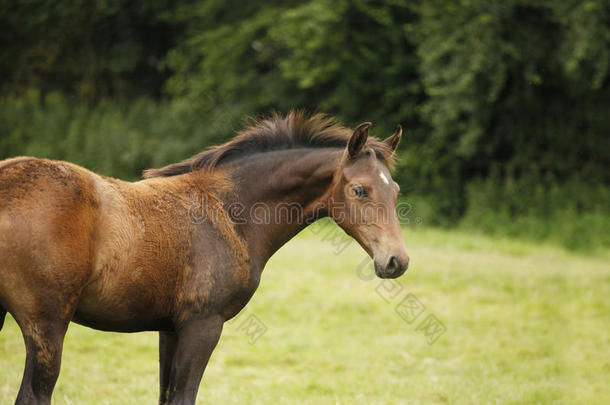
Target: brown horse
{"points": [[181, 251]]}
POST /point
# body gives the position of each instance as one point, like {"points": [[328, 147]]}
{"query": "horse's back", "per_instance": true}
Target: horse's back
{"points": [[48, 212]]}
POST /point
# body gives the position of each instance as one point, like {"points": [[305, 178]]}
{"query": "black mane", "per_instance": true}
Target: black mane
{"points": [[295, 130]]}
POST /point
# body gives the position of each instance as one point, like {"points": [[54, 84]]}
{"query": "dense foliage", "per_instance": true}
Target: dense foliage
{"points": [[492, 93]]}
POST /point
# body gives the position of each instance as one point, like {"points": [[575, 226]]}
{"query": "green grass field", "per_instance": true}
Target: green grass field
{"points": [[523, 324]]}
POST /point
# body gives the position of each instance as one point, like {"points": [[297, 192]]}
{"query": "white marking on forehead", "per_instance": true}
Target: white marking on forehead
{"points": [[384, 178]]}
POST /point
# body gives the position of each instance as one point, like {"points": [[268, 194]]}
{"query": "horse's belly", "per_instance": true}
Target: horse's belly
{"points": [[127, 309], [122, 325]]}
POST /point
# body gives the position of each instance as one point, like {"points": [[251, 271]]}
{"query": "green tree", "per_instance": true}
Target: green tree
{"points": [[92, 49]]}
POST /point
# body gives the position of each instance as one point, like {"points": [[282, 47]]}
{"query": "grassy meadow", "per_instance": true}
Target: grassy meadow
{"points": [[520, 323]]}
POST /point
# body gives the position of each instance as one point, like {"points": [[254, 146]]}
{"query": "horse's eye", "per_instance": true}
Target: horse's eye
{"points": [[360, 192]]}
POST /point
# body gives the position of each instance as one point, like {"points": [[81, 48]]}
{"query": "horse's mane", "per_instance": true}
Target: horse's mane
{"points": [[295, 130]]}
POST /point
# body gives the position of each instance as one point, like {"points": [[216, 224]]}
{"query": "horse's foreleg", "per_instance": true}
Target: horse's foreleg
{"points": [[167, 348], [43, 344], [196, 339]]}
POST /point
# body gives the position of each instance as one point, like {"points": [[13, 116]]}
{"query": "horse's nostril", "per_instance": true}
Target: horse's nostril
{"points": [[393, 264]]}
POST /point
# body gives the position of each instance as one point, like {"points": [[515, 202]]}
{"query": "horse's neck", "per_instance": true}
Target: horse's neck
{"points": [[281, 193]]}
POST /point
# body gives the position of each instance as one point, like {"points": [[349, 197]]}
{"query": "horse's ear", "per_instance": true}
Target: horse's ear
{"points": [[358, 139], [392, 141]]}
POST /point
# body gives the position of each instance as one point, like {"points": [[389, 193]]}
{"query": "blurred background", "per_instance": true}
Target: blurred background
{"points": [[506, 104]]}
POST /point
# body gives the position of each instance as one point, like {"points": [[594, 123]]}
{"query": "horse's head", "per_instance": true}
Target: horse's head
{"points": [[364, 202]]}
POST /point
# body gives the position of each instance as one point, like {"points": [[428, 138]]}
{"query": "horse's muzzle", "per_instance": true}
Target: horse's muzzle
{"points": [[394, 267]]}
